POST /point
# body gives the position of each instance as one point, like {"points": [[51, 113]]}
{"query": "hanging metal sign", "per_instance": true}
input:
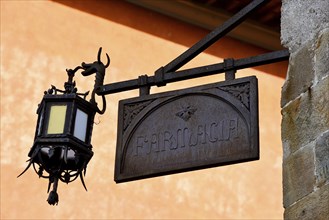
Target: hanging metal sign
{"points": [[189, 129]]}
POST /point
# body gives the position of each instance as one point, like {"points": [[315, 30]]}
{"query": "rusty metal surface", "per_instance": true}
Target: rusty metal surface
{"points": [[190, 129]]}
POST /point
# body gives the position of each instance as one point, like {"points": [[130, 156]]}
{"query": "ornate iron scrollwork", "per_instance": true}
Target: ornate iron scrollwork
{"points": [[98, 68]]}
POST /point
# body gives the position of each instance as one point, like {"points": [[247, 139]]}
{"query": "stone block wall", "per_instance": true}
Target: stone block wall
{"points": [[305, 109]]}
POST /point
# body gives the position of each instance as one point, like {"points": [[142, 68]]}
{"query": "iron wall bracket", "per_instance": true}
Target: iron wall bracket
{"points": [[169, 73]]}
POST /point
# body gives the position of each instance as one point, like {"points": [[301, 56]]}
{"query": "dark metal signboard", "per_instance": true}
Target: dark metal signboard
{"points": [[189, 129]]}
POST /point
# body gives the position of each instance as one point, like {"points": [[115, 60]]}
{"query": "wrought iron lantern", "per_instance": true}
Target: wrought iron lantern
{"points": [[62, 144]]}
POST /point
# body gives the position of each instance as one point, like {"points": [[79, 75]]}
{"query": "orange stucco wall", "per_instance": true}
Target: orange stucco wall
{"points": [[40, 39]]}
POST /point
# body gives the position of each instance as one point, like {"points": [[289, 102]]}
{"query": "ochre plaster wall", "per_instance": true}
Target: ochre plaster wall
{"points": [[40, 39]]}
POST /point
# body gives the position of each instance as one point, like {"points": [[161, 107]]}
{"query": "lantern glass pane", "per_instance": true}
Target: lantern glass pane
{"points": [[40, 123], [57, 119], [80, 125]]}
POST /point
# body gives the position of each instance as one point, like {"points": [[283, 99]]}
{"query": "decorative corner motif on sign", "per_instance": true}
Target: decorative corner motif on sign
{"points": [[186, 113], [240, 91], [131, 111]]}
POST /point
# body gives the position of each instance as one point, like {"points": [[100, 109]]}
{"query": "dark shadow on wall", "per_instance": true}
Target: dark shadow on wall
{"points": [[171, 29]]}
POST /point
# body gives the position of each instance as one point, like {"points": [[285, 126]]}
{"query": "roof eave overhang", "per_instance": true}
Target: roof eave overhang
{"points": [[249, 31]]}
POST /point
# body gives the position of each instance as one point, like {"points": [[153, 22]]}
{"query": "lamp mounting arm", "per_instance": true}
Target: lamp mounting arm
{"points": [[97, 67]]}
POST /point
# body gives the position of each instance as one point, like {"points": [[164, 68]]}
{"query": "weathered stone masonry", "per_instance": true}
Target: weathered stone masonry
{"points": [[305, 109]]}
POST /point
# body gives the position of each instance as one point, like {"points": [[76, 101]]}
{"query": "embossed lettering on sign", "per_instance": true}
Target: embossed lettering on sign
{"points": [[189, 129], [225, 130]]}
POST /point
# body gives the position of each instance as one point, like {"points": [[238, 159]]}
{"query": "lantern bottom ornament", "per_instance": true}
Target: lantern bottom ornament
{"points": [[59, 162], [62, 145]]}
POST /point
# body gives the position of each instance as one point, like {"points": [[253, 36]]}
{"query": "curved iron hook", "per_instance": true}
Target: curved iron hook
{"points": [[99, 55], [104, 106], [99, 58], [108, 60]]}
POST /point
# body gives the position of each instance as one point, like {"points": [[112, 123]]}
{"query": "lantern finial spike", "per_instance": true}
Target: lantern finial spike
{"points": [[83, 182], [53, 196], [28, 166]]}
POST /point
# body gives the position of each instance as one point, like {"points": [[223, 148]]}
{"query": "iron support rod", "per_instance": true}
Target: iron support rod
{"points": [[213, 36], [202, 71], [266, 58]]}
